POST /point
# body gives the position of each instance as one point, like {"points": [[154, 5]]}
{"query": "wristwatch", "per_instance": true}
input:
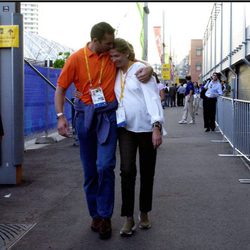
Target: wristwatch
{"points": [[58, 115], [157, 125]]}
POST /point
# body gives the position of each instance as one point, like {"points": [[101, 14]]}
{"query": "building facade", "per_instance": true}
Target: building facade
{"points": [[226, 46], [195, 59], [183, 68], [30, 17]]}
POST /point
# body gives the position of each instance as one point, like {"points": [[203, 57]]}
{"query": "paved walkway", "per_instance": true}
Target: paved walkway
{"points": [[199, 203]]}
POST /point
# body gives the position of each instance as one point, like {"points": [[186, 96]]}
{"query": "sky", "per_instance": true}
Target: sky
{"points": [[69, 23]]}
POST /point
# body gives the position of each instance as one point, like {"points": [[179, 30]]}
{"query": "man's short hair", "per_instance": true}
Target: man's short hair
{"points": [[188, 78], [100, 29]]}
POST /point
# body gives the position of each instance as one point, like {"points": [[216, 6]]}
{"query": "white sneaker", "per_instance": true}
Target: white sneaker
{"points": [[144, 222], [182, 122], [192, 122], [128, 228]]}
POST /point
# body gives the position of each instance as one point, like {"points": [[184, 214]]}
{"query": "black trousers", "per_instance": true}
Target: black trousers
{"points": [[181, 100], [209, 112], [129, 142]]}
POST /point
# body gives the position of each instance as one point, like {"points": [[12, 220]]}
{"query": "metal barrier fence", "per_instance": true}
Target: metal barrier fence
{"points": [[233, 119]]}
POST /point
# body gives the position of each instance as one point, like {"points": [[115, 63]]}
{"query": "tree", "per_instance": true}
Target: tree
{"points": [[61, 59]]}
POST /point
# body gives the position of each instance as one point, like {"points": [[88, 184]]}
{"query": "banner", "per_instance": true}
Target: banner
{"points": [[165, 71], [157, 31], [141, 12]]}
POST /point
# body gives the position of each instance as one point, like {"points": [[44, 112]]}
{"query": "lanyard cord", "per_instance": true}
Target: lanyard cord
{"points": [[88, 71], [123, 81], [122, 85]]}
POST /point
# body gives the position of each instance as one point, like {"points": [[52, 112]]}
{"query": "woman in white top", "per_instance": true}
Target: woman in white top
{"points": [[139, 118], [209, 102]]}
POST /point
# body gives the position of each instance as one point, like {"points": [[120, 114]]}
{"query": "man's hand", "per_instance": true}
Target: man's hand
{"points": [[63, 127], [144, 74], [78, 94], [156, 137]]}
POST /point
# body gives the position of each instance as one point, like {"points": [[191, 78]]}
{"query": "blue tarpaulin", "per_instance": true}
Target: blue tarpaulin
{"points": [[39, 108]]}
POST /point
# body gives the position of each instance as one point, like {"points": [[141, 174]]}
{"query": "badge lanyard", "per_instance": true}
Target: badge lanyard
{"points": [[123, 82], [96, 94], [88, 71], [120, 112]]}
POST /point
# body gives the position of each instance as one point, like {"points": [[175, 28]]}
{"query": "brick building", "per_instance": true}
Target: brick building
{"points": [[195, 59]]}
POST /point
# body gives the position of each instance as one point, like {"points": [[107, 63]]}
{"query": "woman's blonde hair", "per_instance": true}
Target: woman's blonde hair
{"points": [[124, 47]]}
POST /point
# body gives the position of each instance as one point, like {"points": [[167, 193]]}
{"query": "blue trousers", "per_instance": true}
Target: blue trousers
{"points": [[98, 162]]}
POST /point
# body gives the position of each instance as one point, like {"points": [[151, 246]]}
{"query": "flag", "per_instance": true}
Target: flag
{"points": [[141, 11], [157, 32]]}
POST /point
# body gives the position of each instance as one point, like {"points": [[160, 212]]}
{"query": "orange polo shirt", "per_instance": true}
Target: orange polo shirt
{"points": [[75, 71]]}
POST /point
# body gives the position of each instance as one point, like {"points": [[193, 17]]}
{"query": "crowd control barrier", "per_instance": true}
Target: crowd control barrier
{"points": [[233, 120]]}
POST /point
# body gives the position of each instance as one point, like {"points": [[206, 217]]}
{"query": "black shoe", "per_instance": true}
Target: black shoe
{"points": [[95, 225], [207, 130], [105, 229]]}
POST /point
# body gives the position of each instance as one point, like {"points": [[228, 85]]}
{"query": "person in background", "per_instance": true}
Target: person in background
{"points": [[188, 105], [161, 88], [139, 127], [181, 90], [196, 97], [226, 88], [167, 96], [93, 74], [214, 90], [172, 94]]}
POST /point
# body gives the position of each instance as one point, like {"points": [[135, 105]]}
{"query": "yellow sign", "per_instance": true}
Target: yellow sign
{"points": [[177, 79], [165, 71], [9, 36]]}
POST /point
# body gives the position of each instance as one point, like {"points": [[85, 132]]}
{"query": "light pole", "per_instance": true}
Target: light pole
{"points": [[145, 28]]}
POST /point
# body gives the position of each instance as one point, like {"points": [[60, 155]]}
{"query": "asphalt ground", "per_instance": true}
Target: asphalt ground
{"points": [[198, 204]]}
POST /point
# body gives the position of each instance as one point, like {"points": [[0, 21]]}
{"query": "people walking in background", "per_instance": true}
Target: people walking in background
{"points": [[140, 128], [188, 105], [93, 74], [161, 88], [226, 88], [196, 98], [167, 96], [214, 89], [172, 95], [181, 91]]}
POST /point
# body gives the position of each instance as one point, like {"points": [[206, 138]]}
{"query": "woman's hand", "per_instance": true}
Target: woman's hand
{"points": [[156, 137]]}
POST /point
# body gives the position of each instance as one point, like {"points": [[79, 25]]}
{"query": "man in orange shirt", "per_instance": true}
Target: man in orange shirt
{"points": [[93, 73]]}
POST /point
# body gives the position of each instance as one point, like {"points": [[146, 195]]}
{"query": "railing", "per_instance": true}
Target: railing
{"points": [[233, 119]]}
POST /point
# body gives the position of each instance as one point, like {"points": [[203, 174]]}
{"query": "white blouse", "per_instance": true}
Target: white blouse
{"points": [[141, 101]]}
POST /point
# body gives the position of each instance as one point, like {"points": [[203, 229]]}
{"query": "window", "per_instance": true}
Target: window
{"points": [[198, 67], [198, 51]]}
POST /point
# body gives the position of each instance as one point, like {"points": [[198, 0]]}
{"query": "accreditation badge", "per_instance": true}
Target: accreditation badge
{"points": [[98, 98], [121, 117]]}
